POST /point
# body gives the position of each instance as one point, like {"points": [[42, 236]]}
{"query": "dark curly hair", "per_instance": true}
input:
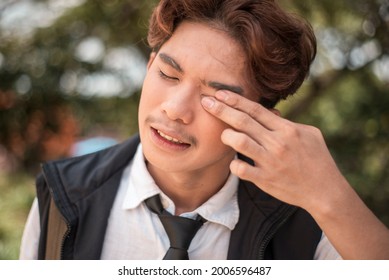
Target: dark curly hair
{"points": [[279, 46]]}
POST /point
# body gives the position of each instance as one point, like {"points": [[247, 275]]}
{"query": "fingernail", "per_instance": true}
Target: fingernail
{"points": [[207, 102]]}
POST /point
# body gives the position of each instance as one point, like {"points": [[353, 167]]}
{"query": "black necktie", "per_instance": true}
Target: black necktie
{"points": [[180, 230]]}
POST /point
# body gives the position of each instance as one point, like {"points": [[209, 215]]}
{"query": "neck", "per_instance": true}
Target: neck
{"points": [[189, 190]]}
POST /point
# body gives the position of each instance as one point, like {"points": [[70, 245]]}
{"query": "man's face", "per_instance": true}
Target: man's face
{"points": [[177, 134]]}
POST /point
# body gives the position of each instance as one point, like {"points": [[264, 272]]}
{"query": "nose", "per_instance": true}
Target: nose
{"points": [[179, 105]]}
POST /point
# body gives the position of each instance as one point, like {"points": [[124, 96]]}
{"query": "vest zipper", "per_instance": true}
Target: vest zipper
{"points": [[64, 237], [272, 231], [66, 234], [68, 225]]}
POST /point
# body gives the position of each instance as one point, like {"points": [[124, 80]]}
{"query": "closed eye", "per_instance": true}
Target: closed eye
{"points": [[167, 77]]}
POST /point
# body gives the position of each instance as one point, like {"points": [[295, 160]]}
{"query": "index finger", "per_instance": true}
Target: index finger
{"points": [[255, 110], [236, 119]]}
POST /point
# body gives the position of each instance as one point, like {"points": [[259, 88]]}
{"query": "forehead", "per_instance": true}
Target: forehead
{"points": [[201, 38], [212, 52]]}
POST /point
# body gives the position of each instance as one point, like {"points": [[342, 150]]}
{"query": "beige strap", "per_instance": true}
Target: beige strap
{"points": [[56, 230]]}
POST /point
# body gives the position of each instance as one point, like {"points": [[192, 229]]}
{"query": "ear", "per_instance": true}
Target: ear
{"points": [[151, 59], [275, 111]]}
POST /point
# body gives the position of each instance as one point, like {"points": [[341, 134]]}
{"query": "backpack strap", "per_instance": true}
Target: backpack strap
{"points": [[56, 230]]}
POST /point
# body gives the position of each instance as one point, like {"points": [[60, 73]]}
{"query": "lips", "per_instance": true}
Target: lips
{"points": [[169, 141], [169, 138]]}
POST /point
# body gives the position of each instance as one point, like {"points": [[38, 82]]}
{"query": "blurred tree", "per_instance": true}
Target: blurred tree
{"points": [[50, 81], [86, 68], [347, 94]]}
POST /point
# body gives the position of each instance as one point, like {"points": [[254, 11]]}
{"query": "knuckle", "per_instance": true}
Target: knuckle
{"points": [[241, 121], [253, 110], [312, 132], [243, 143], [291, 131], [315, 131], [233, 100], [280, 149], [316, 135], [240, 169], [218, 109]]}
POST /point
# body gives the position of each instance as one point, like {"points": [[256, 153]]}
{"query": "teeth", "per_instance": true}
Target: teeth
{"points": [[167, 137]]}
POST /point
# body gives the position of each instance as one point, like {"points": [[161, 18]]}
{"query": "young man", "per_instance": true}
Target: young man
{"points": [[211, 146]]}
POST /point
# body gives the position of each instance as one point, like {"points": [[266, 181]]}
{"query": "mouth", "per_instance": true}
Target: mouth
{"points": [[169, 138], [168, 141]]}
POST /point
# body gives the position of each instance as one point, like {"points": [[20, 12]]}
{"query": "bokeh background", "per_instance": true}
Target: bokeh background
{"points": [[71, 73]]}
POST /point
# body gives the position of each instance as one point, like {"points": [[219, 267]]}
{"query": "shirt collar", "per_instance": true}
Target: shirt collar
{"points": [[222, 208]]}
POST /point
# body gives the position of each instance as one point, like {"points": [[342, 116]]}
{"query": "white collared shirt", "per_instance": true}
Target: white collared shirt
{"points": [[134, 232]]}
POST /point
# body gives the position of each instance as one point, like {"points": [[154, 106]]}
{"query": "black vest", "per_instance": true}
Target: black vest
{"points": [[84, 189]]}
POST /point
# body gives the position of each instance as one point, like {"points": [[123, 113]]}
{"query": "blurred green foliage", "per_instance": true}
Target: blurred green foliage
{"points": [[17, 193], [347, 94], [80, 75]]}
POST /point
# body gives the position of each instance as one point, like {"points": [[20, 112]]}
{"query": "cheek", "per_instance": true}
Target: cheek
{"points": [[210, 128], [150, 95]]}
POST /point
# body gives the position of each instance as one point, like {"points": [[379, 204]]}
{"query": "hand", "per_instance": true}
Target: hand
{"points": [[291, 161], [293, 164]]}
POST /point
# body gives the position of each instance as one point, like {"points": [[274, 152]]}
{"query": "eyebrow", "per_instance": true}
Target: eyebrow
{"points": [[215, 85], [170, 61], [220, 86]]}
